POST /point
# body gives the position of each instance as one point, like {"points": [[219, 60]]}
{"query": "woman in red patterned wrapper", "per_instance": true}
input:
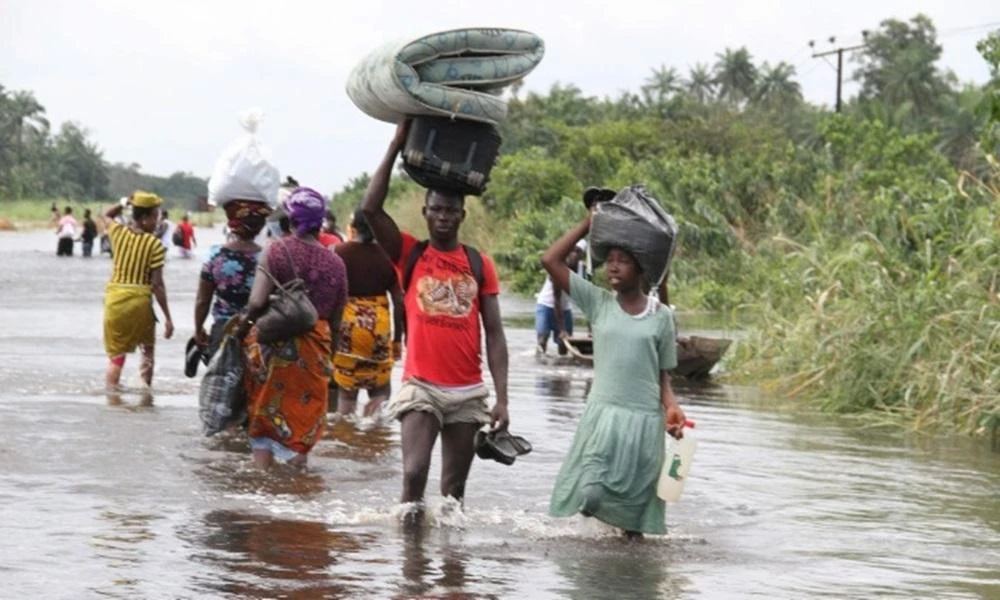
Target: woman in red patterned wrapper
{"points": [[286, 382]]}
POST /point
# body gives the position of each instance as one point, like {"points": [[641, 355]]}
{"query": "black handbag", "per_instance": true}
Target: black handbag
{"points": [[289, 312]]}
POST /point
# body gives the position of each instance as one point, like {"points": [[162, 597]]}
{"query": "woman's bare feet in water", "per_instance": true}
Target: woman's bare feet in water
{"points": [[633, 536]]}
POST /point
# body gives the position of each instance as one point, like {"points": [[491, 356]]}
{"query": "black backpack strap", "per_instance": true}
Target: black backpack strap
{"points": [[411, 262], [476, 264], [472, 255]]}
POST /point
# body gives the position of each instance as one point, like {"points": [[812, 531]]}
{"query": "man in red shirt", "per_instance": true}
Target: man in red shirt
{"points": [[186, 230], [443, 391]]}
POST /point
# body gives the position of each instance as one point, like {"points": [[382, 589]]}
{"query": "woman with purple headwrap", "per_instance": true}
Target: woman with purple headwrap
{"points": [[286, 382]]}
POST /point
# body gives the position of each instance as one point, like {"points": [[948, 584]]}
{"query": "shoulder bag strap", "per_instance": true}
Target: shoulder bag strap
{"points": [[291, 262], [274, 279]]}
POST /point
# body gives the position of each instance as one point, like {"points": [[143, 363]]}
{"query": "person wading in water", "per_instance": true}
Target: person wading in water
{"points": [[137, 276], [445, 299]]}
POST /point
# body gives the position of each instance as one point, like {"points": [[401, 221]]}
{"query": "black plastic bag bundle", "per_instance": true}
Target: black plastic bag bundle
{"points": [[221, 399], [635, 222]]}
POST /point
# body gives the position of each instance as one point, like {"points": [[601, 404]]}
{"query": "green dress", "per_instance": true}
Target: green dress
{"points": [[617, 452]]}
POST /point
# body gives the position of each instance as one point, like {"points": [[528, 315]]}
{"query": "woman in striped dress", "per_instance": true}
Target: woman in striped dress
{"points": [[136, 278]]}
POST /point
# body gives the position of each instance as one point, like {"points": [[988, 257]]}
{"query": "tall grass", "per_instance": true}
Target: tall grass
{"points": [[36, 213], [31, 214], [903, 331]]}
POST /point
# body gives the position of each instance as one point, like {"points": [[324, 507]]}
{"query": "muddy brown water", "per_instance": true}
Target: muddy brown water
{"points": [[131, 501]]}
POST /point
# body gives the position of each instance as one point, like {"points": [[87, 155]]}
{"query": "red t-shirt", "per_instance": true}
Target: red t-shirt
{"points": [[329, 239], [187, 234], [443, 341]]}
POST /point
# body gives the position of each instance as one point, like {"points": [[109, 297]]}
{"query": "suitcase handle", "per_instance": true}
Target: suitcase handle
{"points": [[426, 159]]}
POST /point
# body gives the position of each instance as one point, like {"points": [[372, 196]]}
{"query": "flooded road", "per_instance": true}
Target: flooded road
{"points": [[131, 501]]}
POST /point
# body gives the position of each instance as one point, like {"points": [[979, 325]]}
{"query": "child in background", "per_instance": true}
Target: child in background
{"points": [[89, 234], [553, 314]]}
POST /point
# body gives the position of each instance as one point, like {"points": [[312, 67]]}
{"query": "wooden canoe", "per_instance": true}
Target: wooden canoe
{"points": [[696, 355]]}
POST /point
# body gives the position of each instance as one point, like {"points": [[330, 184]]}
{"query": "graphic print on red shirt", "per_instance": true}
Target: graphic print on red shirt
{"points": [[443, 340]]}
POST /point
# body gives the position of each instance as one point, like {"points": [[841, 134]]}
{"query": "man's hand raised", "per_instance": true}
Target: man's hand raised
{"points": [[399, 138]]}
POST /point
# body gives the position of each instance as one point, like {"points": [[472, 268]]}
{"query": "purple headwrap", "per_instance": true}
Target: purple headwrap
{"points": [[306, 207]]}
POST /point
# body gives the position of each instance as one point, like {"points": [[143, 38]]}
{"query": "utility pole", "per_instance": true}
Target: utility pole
{"points": [[840, 61]]}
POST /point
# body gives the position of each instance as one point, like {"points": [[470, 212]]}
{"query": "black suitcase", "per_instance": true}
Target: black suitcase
{"points": [[451, 155]]}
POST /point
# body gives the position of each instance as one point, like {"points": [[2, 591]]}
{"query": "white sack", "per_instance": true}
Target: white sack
{"points": [[245, 171]]}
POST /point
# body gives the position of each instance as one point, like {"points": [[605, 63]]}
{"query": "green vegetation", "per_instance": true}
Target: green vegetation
{"points": [[66, 166], [32, 213], [180, 190], [864, 247], [36, 213]]}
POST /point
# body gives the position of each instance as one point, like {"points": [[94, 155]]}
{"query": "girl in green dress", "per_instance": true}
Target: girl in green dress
{"points": [[617, 453]]}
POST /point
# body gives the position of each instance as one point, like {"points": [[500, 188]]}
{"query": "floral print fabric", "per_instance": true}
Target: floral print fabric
{"points": [[231, 272]]}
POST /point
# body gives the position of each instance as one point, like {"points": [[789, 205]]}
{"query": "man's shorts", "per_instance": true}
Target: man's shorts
{"points": [[466, 404], [545, 320]]}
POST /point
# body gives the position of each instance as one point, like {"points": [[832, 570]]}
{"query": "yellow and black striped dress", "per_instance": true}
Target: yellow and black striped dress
{"points": [[128, 308]]}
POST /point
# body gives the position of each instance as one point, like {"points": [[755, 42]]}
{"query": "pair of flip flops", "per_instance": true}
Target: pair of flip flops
{"points": [[193, 354], [500, 446]]}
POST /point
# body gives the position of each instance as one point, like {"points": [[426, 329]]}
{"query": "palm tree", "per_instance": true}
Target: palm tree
{"points": [[658, 87], [776, 86], [914, 79], [701, 83], [736, 75], [24, 132], [892, 116], [28, 118]]}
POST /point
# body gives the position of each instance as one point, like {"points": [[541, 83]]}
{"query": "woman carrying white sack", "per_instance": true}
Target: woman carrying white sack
{"points": [[245, 184]]}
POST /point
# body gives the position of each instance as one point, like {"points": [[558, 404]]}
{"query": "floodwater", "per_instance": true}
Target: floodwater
{"points": [[131, 501]]}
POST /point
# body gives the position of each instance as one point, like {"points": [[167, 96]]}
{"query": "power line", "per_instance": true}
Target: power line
{"points": [[809, 71], [967, 29], [840, 61], [864, 36], [798, 53]]}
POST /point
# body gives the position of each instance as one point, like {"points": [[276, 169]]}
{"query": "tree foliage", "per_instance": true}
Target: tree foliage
{"points": [[865, 245], [989, 106], [36, 162], [899, 66], [736, 76]]}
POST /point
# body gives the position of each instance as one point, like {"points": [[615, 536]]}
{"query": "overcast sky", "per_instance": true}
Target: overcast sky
{"points": [[160, 83]]}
